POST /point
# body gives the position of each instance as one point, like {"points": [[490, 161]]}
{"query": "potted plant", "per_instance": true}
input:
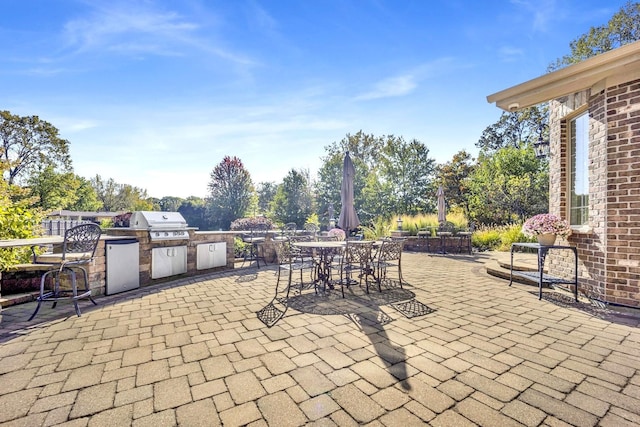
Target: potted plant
{"points": [[546, 227]]}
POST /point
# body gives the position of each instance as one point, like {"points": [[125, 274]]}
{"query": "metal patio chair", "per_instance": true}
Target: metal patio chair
{"points": [[255, 240], [389, 256], [289, 229], [78, 251], [311, 229], [300, 254], [356, 259], [289, 262]]}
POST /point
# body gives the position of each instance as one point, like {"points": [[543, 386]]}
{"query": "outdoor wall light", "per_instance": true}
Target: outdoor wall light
{"points": [[399, 223], [541, 147]]}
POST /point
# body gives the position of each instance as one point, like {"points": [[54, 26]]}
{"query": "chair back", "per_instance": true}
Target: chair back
{"points": [[301, 238], [311, 229], [321, 238], [289, 229], [390, 250], [296, 251], [82, 238], [447, 226], [358, 253], [260, 230], [256, 231]]}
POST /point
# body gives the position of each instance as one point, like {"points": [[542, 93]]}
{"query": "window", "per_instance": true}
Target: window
{"points": [[579, 179]]}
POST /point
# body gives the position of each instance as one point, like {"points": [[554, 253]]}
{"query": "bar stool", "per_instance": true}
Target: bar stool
{"points": [[78, 250]]}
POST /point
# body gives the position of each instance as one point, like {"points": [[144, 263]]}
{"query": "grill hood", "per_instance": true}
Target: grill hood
{"points": [[153, 220]]}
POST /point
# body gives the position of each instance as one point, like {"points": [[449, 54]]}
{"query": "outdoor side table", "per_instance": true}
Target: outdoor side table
{"points": [[540, 275]]}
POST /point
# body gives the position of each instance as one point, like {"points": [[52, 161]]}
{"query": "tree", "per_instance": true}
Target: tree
{"points": [[508, 186], [170, 203], [132, 198], [623, 28], [515, 129], [120, 197], [409, 171], [392, 176], [18, 220], [266, 192], [453, 176], [87, 199], [194, 211], [293, 201], [29, 143], [107, 192], [375, 200], [328, 186], [66, 190], [365, 151], [231, 191], [52, 189]]}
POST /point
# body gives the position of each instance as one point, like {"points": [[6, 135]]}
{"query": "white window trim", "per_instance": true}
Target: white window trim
{"points": [[582, 228]]}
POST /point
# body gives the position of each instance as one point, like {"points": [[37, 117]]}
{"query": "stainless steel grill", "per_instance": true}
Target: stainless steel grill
{"points": [[161, 225]]}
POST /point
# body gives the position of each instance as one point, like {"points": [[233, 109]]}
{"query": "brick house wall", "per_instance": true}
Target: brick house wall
{"points": [[609, 248]]}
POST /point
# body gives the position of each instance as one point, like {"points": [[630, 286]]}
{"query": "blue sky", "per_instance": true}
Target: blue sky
{"points": [[155, 93]]}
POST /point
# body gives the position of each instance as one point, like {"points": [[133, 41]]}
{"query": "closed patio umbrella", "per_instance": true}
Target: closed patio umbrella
{"points": [[442, 213], [332, 220], [348, 217]]}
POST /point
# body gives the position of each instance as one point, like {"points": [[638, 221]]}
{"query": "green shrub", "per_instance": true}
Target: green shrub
{"points": [[512, 233], [498, 238], [458, 220], [239, 247], [313, 219], [413, 223], [380, 227], [486, 239], [18, 222]]}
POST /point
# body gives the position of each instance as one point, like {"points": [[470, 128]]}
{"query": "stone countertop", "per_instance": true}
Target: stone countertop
{"points": [[112, 237]]}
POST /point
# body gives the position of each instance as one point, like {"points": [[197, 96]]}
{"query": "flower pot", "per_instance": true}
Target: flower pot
{"points": [[546, 239]]}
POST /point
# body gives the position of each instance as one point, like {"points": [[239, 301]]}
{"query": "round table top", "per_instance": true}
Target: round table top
{"points": [[332, 243]]}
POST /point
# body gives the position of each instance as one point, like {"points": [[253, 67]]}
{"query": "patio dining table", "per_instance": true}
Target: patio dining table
{"points": [[324, 251]]}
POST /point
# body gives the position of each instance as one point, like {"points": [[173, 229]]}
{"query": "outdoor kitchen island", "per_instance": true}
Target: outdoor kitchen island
{"points": [[169, 247]]}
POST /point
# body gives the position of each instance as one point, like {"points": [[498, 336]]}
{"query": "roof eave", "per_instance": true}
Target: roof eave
{"points": [[622, 61]]}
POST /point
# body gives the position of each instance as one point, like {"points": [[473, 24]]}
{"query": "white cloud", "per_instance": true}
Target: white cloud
{"points": [[104, 26], [406, 83], [391, 87], [510, 54], [128, 28], [543, 11]]}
